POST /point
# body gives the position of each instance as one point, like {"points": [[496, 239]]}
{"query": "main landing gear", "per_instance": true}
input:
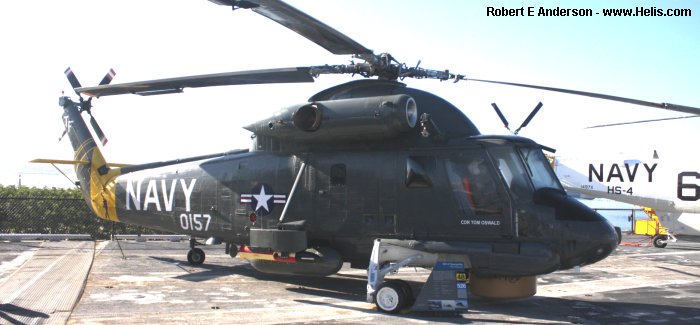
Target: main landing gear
{"points": [[196, 255], [394, 295]]}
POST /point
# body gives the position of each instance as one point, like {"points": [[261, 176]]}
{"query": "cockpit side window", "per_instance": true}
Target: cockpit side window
{"points": [[471, 177], [513, 172]]}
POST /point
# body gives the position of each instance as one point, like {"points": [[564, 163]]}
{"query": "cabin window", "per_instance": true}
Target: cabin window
{"points": [[472, 179], [417, 171], [338, 174]]}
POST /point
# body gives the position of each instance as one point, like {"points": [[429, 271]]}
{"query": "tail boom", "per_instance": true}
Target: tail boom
{"points": [[95, 175]]}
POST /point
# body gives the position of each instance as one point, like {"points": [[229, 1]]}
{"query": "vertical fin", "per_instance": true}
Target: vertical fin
{"points": [[96, 177]]}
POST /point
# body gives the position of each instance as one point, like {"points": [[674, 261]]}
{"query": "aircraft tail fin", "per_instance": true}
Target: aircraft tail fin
{"points": [[96, 176]]}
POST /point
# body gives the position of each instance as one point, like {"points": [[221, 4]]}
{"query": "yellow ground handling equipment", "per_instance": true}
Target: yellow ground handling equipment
{"points": [[660, 236]]}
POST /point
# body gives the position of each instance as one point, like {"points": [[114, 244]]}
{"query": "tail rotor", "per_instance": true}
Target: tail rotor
{"points": [[86, 105]]}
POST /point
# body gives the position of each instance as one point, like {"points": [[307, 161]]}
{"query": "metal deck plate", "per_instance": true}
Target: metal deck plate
{"points": [[154, 284]]}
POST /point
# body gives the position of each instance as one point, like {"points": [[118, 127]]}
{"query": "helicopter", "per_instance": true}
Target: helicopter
{"points": [[364, 160]]}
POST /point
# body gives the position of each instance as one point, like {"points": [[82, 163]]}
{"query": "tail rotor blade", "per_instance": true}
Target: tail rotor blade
{"points": [[98, 130], [500, 115], [529, 117], [72, 79], [108, 77], [63, 134]]}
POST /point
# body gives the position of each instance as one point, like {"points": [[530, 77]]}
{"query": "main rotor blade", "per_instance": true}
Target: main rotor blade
{"points": [[668, 106], [301, 23], [642, 121], [173, 85]]}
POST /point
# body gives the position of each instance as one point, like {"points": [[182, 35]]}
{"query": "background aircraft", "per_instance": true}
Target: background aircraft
{"points": [[666, 179]]}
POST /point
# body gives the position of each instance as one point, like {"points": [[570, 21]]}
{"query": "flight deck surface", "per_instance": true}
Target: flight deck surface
{"points": [[151, 282]]}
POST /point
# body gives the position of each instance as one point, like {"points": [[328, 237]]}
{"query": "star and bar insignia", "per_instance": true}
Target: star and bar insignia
{"points": [[262, 199]]}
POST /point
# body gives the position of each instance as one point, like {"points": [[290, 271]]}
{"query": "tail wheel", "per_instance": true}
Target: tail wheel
{"points": [[391, 297], [232, 250], [196, 256], [659, 241]]}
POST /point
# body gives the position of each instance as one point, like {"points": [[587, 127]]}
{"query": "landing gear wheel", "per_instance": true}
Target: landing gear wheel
{"points": [[232, 250], [196, 256], [407, 291], [391, 297], [659, 241]]}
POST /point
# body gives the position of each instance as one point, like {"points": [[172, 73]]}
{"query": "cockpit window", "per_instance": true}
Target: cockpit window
{"points": [[472, 180], [539, 169], [513, 172]]}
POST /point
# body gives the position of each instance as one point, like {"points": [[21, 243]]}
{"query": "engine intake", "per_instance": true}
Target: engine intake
{"points": [[356, 119]]}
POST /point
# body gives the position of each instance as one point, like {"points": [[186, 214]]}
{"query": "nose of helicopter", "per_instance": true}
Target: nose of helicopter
{"points": [[585, 237]]}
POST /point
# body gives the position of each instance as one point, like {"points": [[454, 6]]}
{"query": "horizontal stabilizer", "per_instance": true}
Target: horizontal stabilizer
{"points": [[59, 161], [72, 162]]}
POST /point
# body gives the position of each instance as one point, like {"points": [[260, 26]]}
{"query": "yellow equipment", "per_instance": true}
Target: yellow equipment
{"points": [[652, 227]]}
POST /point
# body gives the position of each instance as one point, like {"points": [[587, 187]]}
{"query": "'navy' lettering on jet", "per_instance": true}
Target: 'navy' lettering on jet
{"points": [[616, 172], [157, 192]]}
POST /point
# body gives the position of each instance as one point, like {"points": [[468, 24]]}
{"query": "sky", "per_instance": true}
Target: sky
{"points": [[650, 58]]}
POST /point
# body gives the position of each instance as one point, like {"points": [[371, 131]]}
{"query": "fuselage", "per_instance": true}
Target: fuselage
{"points": [[367, 169]]}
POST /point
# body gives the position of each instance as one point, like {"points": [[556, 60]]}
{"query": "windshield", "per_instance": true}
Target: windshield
{"points": [[539, 169]]}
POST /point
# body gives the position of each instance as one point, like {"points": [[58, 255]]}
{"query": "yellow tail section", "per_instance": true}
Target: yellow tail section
{"points": [[102, 195], [96, 176]]}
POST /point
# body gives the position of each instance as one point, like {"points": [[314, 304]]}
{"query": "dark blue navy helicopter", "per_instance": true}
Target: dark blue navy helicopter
{"points": [[365, 160]]}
